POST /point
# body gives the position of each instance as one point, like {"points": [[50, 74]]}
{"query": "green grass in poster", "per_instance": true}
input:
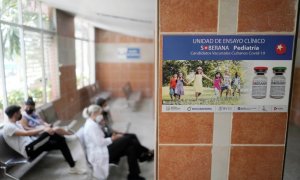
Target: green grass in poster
{"points": [[207, 98]]}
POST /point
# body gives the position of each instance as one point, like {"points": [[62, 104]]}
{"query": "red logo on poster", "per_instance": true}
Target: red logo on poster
{"points": [[280, 49], [206, 48]]}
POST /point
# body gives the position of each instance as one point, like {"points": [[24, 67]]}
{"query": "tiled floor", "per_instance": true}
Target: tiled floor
{"points": [[53, 166]]}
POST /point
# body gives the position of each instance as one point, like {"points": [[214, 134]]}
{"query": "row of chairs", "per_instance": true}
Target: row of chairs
{"points": [[13, 164]]}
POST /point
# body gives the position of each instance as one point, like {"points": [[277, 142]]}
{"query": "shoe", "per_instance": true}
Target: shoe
{"points": [[147, 156], [135, 177], [76, 170]]}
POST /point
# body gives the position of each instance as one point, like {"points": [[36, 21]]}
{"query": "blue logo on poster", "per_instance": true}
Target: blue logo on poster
{"points": [[227, 47]]}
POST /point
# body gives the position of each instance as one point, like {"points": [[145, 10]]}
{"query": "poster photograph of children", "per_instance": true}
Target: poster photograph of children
{"points": [[232, 73], [202, 82]]}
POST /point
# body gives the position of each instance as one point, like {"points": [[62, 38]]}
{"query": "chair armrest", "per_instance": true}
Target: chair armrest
{"points": [[57, 123], [12, 162], [72, 124]]}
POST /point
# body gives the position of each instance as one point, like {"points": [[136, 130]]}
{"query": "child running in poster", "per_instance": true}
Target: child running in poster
{"points": [[198, 85], [226, 83], [173, 86], [217, 84], [179, 90], [236, 84]]}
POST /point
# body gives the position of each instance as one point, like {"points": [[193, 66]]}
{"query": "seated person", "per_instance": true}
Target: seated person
{"points": [[30, 120], [102, 150], [144, 153], [23, 142]]}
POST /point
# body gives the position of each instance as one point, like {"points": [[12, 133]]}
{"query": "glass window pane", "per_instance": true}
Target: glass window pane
{"points": [[81, 29], [13, 65], [47, 17], [1, 97], [9, 10], [31, 10], [1, 109], [86, 63], [51, 67], [34, 64], [79, 65]]}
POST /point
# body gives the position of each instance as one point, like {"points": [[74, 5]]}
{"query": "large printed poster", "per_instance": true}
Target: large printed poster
{"points": [[226, 73]]}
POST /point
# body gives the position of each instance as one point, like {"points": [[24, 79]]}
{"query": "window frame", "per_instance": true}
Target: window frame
{"points": [[90, 40], [42, 33]]}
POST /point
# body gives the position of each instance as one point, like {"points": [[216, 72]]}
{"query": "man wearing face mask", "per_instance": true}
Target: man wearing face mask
{"points": [[23, 142], [31, 120]]}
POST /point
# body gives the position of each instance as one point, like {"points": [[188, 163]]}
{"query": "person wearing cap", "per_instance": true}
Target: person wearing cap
{"points": [[198, 84], [103, 150], [30, 120], [144, 154], [24, 142]]}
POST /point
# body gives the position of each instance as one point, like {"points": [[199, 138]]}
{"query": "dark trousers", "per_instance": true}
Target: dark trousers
{"points": [[46, 142], [140, 148], [124, 147]]}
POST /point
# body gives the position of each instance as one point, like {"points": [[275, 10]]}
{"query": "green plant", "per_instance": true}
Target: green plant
{"points": [[15, 97]]}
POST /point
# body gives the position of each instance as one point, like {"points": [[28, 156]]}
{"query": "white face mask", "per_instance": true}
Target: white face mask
{"points": [[106, 109], [99, 118]]}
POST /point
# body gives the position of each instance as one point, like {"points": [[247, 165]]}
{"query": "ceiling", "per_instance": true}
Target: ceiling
{"points": [[131, 17]]}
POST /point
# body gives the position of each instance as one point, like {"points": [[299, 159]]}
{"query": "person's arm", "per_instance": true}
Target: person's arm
{"points": [[185, 81], [43, 121], [192, 80], [116, 136], [25, 125], [207, 77], [31, 132]]}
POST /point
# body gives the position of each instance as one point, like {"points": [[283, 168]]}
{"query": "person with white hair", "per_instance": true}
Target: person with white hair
{"points": [[144, 154], [101, 151]]}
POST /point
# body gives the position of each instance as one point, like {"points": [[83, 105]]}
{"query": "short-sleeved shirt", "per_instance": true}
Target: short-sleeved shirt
{"points": [[217, 83], [17, 143], [227, 80], [173, 83]]}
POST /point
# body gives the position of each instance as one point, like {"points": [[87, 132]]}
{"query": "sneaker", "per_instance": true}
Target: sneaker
{"points": [[76, 170]]}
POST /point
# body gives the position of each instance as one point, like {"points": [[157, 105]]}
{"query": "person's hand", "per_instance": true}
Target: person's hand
{"points": [[117, 132], [49, 130], [47, 125], [116, 136]]}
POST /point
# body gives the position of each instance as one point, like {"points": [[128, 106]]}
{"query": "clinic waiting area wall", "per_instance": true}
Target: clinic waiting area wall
{"points": [[113, 71], [222, 145], [71, 100]]}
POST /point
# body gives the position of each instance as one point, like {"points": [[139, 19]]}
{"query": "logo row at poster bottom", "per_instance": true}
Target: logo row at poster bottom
{"points": [[217, 108]]}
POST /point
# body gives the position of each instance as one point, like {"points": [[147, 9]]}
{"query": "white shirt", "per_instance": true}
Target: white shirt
{"points": [[17, 143], [227, 80], [96, 148]]}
